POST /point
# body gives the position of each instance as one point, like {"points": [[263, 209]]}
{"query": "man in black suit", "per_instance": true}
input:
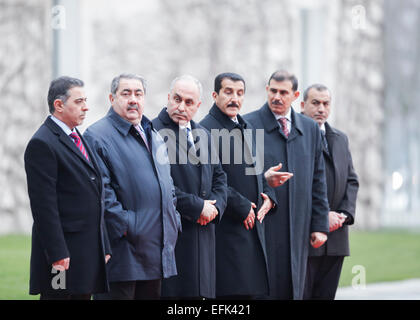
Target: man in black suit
{"points": [[241, 260], [201, 191], [324, 264], [302, 212], [70, 245]]}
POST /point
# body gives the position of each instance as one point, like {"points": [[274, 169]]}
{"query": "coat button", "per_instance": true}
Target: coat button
{"points": [[203, 194]]}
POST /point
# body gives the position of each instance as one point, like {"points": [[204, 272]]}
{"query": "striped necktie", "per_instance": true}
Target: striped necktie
{"points": [[190, 139], [143, 136], [283, 125], [79, 144]]}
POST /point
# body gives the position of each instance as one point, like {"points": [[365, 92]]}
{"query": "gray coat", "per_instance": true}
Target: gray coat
{"points": [[140, 199], [302, 201]]}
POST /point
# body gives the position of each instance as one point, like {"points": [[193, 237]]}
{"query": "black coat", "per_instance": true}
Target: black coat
{"points": [[195, 249], [67, 201], [303, 206], [342, 187], [241, 254]]}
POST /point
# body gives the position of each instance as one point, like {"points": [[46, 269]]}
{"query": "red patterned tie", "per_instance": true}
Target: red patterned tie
{"points": [[79, 144], [283, 124]]}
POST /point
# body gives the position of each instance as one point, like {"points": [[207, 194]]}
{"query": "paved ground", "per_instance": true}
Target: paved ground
{"points": [[398, 290]]}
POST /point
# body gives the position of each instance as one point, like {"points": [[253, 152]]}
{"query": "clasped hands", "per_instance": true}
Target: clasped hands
{"points": [[209, 212]]}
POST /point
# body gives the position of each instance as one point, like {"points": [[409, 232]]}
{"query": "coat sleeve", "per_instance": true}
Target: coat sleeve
{"points": [[41, 171], [188, 205], [320, 207], [269, 191], [348, 204], [116, 216], [219, 191]]}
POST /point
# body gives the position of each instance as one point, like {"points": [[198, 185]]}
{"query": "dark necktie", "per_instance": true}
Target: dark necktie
{"points": [[79, 144], [283, 125], [325, 142]]}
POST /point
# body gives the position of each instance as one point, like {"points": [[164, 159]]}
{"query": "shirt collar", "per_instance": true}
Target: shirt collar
{"points": [[288, 115], [62, 125], [322, 127]]}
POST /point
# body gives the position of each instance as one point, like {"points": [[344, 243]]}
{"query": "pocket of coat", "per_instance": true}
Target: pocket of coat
{"points": [[74, 226]]}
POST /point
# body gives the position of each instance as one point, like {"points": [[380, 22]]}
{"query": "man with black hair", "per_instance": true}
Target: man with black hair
{"points": [[69, 240], [294, 141], [241, 260], [324, 263]]}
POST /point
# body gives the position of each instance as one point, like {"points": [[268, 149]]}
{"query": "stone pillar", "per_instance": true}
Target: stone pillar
{"points": [[359, 99], [25, 41]]}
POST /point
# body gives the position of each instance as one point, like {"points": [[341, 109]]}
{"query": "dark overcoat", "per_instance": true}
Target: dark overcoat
{"points": [[195, 181], [303, 206], [67, 201], [342, 187], [240, 253], [140, 199]]}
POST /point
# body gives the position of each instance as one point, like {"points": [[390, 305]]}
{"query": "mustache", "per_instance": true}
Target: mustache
{"points": [[233, 104], [277, 103], [133, 107]]}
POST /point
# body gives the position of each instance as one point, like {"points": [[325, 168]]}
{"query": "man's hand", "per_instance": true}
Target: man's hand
{"points": [[62, 265], [267, 205], [107, 257], [336, 220], [318, 239], [275, 178], [250, 219], [209, 212]]}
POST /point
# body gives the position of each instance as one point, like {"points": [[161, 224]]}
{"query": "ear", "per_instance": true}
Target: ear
{"points": [[214, 95], [198, 105], [58, 105], [111, 98], [296, 95], [302, 106]]}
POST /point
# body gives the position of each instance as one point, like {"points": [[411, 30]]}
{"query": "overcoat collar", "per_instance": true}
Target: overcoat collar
{"points": [[225, 121]]}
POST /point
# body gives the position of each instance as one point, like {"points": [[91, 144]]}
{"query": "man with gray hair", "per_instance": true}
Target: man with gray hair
{"points": [[140, 200], [324, 263], [201, 192]]}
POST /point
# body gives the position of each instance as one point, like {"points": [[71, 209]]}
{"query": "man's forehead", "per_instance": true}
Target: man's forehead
{"points": [[321, 95], [285, 84], [229, 83], [77, 92], [186, 89], [130, 84]]}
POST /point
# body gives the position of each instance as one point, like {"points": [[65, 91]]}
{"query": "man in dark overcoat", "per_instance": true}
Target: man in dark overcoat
{"points": [[293, 140], [69, 240], [241, 260], [201, 190], [325, 263]]}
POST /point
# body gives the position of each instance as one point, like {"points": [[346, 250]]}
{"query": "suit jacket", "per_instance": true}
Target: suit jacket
{"points": [[303, 206], [240, 254], [140, 199], [195, 250], [67, 199], [342, 187]]}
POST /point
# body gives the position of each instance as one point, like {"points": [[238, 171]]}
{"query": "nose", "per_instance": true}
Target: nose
{"points": [[181, 106]]}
